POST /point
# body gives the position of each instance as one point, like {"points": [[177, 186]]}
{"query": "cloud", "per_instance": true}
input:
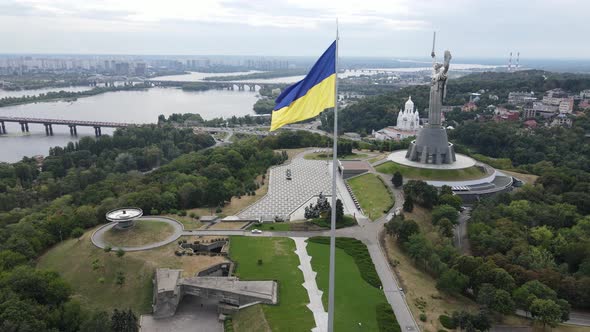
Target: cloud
{"points": [[369, 27], [280, 13]]}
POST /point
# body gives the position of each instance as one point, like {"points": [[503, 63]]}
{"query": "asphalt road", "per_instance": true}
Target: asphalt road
{"points": [[460, 239]]}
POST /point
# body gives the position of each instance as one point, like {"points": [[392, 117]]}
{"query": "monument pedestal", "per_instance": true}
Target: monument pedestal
{"points": [[432, 147]]}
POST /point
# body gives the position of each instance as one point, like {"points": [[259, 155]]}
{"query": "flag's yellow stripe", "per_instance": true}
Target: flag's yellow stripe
{"points": [[317, 99]]}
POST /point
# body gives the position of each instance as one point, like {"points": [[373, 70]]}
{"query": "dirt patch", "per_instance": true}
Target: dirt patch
{"points": [[186, 221]]}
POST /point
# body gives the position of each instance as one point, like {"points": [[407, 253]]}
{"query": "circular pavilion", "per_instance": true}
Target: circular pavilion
{"points": [[125, 217]]}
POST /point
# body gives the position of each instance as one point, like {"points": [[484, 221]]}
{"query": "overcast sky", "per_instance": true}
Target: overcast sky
{"points": [[393, 28]]}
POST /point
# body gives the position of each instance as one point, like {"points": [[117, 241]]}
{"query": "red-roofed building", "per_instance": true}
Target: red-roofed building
{"points": [[530, 123], [470, 106], [508, 116], [585, 104]]}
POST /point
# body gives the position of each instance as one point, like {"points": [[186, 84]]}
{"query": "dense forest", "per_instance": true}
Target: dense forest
{"points": [[541, 232], [374, 113]]}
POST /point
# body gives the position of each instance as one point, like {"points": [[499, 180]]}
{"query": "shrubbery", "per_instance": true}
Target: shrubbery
{"points": [[359, 253], [386, 319], [447, 322]]}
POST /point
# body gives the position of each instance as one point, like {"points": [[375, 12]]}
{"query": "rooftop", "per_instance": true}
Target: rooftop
{"points": [[261, 289], [123, 214]]}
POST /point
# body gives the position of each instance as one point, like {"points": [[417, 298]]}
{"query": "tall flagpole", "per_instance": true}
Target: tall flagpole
{"points": [[333, 221]]}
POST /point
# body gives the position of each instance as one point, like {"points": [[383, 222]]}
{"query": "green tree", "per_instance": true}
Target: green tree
{"points": [[402, 228], [397, 180], [452, 200], [124, 321], [10, 259], [497, 300], [546, 311], [97, 322], [421, 192], [77, 232], [446, 190], [444, 211], [71, 316], [408, 205], [452, 282], [125, 162], [525, 295], [446, 227], [418, 248]]}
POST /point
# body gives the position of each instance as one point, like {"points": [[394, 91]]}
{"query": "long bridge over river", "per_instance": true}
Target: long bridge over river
{"points": [[221, 85], [73, 124], [48, 123]]}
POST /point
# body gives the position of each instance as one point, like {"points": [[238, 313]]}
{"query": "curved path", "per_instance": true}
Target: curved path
{"points": [[97, 237]]}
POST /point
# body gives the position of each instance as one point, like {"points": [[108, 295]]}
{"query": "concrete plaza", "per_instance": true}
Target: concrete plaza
{"points": [[308, 179]]}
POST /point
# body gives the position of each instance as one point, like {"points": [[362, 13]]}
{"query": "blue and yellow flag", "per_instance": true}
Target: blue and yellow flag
{"points": [[310, 96]]}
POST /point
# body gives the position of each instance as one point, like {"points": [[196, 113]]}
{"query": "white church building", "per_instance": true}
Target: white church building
{"points": [[408, 123]]}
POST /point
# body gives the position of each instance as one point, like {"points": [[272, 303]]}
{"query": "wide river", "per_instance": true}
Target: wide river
{"points": [[122, 106]]}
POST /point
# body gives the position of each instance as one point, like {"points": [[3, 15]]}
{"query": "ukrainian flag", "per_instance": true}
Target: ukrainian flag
{"points": [[310, 96]]}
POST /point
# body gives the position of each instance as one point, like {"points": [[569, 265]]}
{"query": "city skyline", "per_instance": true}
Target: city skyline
{"points": [[398, 28]]}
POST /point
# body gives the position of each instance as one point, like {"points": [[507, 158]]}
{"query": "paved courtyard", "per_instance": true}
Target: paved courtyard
{"points": [[309, 178], [194, 314]]}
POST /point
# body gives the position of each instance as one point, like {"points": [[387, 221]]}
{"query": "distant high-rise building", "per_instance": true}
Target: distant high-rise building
{"points": [[140, 69]]}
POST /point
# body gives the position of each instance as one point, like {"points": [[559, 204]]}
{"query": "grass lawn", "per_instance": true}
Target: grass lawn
{"points": [[186, 221], [324, 156], [250, 319], [372, 194], [96, 289], [279, 263], [355, 299], [470, 173], [377, 158], [144, 232]]}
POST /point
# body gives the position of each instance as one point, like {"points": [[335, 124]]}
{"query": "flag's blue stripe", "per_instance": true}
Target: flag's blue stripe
{"points": [[323, 68]]}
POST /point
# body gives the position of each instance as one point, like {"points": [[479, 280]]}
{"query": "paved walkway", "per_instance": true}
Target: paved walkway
{"points": [[97, 237], [315, 294]]}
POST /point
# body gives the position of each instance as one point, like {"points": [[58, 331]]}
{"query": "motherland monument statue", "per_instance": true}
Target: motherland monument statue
{"points": [[432, 144]]}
